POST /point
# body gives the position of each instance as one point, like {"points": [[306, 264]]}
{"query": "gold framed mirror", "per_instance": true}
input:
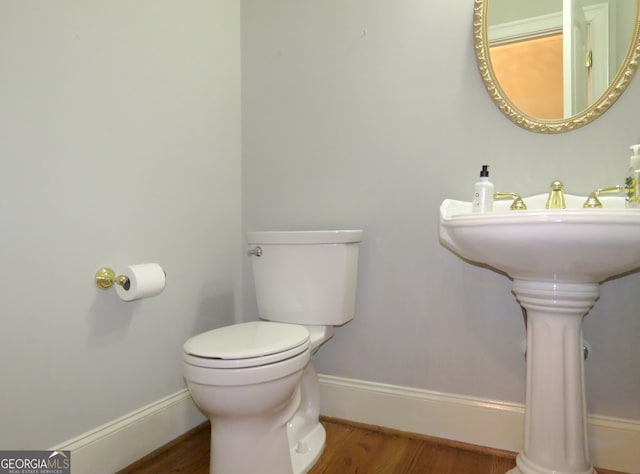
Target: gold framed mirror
{"points": [[584, 32]]}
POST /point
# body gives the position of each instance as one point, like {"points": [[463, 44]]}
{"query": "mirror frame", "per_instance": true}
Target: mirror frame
{"points": [[611, 94]]}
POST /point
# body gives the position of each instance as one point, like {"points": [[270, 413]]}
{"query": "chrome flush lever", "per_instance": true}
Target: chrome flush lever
{"points": [[256, 251]]}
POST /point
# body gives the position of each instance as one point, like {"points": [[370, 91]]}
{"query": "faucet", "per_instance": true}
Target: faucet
{"points": [[556, 196]]}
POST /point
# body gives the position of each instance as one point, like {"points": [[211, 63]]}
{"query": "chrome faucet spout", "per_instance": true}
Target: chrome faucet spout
{"points": [[556, 196]]}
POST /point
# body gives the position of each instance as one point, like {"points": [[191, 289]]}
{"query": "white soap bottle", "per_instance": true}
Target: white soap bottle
{"points": [[483, 192], [632, 178]]}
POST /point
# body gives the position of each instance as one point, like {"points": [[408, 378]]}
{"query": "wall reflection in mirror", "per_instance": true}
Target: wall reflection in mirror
{"points": [[555, 65]]}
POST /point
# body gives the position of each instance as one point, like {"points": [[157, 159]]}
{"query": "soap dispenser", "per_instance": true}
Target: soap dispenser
{"points": [[632, 178], [483, 192]]}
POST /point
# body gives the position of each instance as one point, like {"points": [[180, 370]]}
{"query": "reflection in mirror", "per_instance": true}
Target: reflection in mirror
{"points": [[555, 65]]}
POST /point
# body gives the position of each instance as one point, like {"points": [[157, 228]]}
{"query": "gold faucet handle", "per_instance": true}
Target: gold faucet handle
{"points": [[593, 202], [517, 205]]}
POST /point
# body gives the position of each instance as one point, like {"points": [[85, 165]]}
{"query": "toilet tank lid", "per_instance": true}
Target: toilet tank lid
{"points": [[305, 237], [246, 340]]}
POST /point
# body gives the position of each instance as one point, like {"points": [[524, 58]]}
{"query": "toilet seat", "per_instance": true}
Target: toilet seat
{"points": [[248, 344]]}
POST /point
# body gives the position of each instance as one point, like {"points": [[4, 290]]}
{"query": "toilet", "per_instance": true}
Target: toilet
{"points": [[255, 381]]}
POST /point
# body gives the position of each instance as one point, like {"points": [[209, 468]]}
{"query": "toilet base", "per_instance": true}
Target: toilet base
{"points": [[306, 435], [308, 449]]}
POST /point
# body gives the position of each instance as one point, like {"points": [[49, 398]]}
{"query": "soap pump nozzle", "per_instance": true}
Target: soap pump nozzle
{"points": [[484, 173]]}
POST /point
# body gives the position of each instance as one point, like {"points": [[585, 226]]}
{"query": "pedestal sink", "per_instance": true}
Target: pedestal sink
{"points": [[557, 259]]}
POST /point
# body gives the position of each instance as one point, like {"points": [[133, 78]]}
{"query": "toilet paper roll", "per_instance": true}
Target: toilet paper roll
{"points": [[145, 280]]}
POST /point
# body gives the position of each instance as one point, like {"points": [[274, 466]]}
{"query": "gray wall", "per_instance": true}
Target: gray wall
{"points": [[360, 114], [119, 144]]}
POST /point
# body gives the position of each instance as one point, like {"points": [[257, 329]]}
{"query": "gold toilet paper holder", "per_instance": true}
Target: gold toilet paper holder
{"points": [[106, 277]]}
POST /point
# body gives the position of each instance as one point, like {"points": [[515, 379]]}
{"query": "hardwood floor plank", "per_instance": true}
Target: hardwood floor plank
{"points": [[501, 465], [366, 451], [438, 459]]}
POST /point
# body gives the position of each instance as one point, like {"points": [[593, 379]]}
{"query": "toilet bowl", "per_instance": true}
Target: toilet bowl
{"points": [[255, 381], [244, 378]]}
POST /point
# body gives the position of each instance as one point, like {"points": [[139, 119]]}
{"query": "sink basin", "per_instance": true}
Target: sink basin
{"points": [[564, 245], [557, 259]]}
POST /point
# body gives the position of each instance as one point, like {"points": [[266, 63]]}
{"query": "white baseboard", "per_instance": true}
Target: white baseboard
{"points": [[614, 442], [115, 445]]}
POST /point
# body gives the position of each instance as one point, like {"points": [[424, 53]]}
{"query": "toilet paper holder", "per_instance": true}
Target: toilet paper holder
{"points": [[106, 277]]}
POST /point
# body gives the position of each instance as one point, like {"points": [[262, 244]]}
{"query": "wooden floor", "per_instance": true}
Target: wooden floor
{"points": [[351, 448]]}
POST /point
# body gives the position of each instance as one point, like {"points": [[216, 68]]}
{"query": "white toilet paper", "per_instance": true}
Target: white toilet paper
{"points": [[145, 280]]}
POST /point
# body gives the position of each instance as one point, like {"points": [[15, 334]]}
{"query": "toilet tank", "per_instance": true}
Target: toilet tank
{"points": [[305, 277]]}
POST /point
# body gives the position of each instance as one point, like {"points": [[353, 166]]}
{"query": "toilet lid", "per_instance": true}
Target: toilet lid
{"points": [[247, 340]]}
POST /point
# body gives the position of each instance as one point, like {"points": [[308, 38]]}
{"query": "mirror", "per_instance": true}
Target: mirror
{"points": [[555, 65]]}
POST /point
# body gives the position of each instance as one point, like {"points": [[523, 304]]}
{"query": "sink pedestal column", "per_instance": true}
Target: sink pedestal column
{"points": [[555, 440]]}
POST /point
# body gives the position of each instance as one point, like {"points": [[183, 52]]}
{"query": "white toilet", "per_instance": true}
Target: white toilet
{"points": [[255, 381]]}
